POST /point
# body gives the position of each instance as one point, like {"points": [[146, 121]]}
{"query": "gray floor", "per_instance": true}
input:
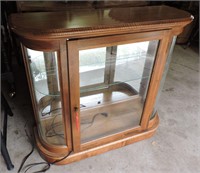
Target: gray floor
{"points": [[175, 148]]}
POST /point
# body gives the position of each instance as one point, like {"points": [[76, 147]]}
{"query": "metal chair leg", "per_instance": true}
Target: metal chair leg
{"points": [[5, 154], [4, 151]]}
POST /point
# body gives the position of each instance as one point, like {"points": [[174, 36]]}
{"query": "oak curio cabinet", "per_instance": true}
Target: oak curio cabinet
{"points": [[95, 75]]}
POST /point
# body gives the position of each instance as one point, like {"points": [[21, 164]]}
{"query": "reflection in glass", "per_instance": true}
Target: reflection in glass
{"points": [[92, 65], [113, 85], [44, 70]]}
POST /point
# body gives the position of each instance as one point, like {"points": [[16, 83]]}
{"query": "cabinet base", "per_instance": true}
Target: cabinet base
{"points": [[52, 156]]}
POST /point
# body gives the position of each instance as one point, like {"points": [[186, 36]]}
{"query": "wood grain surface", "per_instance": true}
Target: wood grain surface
{"points": [[84, 22]]}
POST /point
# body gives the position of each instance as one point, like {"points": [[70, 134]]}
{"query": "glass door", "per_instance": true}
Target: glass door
{"points": [[109, 81], [113, 84]]}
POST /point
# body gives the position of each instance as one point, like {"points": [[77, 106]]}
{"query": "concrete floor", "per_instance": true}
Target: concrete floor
{"points": [[175, 148]]}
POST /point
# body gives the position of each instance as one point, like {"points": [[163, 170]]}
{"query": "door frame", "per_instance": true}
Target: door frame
{"points": [[73, 47]]}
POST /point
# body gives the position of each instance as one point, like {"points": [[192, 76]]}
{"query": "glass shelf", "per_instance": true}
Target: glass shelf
{"points": [[102, 86], [122, 58], [41, 85]]}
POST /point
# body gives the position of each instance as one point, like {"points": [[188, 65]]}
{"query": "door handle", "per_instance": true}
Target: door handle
{"points": [[77, 118]]}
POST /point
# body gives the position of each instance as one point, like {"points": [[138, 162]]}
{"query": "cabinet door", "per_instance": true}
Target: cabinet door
{"points": [[109, 81]]}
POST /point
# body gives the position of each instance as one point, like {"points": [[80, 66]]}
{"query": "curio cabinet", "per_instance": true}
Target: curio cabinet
{"points": [[95, 75]]}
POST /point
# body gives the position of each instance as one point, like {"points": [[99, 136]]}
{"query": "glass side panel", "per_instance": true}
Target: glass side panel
{"points": [[114, 100], [44, 70], [167, 64]]}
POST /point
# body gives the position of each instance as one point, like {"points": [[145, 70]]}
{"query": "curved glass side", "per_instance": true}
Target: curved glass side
{"points": [[43, 67], [164, 76]]}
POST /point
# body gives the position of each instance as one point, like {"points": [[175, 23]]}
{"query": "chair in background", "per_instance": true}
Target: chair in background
{"points": [[4, 116]]}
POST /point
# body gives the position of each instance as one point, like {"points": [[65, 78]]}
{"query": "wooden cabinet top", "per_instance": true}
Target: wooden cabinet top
{"points": [[97, 22]]}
